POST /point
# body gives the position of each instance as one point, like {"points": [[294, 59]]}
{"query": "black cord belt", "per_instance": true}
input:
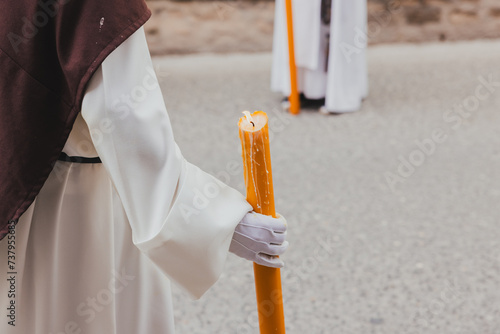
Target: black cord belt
{"points": [[80, 160]]}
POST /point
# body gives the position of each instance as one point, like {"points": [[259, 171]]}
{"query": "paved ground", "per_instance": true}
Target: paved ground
{"points": [[423, 257]]}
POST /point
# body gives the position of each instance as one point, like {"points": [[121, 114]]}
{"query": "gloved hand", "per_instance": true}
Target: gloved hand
{"points": [[260, 239]]}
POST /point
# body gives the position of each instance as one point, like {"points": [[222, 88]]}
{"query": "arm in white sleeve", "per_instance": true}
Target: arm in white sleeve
{"points": [[181, 217]]}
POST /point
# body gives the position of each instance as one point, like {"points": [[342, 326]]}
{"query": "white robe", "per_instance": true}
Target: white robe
{"points": [[94, 250], [346, 83]]}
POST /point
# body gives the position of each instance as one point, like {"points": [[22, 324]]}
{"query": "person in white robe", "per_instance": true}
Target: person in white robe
{"points": [[330, 56], [94, 253]]}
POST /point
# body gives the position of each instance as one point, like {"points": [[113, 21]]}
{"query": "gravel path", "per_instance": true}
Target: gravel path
{"points": [[419, 253]]}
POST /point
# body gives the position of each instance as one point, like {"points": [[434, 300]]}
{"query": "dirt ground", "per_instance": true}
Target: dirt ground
{"points": [[218, 26]]}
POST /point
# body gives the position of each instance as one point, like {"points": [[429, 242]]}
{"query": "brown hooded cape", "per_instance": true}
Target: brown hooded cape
{"points": [[48, 53]]}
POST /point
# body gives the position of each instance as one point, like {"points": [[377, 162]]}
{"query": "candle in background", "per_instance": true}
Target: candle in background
{"points": [[294, 94], [254, 135]]}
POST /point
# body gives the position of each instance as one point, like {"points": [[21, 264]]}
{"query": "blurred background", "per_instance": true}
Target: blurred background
{"points": [[180, 27]]}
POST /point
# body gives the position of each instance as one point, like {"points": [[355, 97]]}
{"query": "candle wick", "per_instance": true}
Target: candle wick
{"points": [[249, 118]]}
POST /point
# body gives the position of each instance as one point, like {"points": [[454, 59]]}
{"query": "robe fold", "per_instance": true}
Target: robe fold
{"points": [[96, 250]]}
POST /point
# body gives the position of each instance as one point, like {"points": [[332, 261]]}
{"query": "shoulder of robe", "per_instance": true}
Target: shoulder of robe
{"points": [[50, 50]]}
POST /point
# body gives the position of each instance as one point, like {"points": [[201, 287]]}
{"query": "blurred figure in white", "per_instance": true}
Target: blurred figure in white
{"points": [[330, 53]]}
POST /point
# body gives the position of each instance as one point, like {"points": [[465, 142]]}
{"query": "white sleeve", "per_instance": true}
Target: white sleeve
{"points": [[181, 217]]}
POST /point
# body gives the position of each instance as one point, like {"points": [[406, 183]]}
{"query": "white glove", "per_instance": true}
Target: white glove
{"points": [[260, 239]]}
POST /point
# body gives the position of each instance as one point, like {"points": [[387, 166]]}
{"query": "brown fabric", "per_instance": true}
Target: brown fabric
{"points": [[48, 53]]}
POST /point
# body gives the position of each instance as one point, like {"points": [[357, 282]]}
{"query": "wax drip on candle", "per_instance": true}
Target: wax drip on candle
{"points": [[249, 117]]}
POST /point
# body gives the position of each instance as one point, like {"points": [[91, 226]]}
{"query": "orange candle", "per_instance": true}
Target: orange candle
{"points": [[254, 135], [294, 94]]}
